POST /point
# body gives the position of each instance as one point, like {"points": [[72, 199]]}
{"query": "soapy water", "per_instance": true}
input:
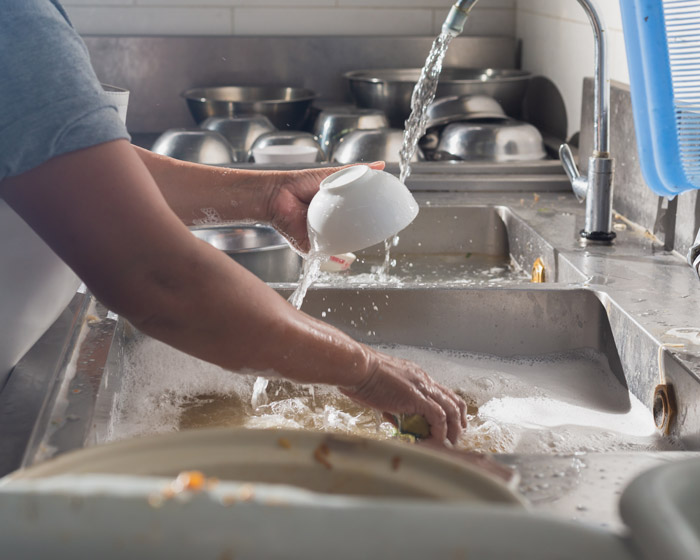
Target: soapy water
{"points": [[309, 274], [561, 403]]}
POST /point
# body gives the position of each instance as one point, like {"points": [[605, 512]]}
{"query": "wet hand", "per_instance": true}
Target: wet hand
{"points": [[398, 386], [289, 200]]}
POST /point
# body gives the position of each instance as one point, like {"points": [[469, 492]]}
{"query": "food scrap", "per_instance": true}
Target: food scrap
{"points": [[92, 319], [395, 463], [321, 455], [186, 481], [284, 442]]}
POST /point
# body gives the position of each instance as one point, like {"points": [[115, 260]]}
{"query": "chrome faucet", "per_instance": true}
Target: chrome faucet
{"points": [[597, 187]]}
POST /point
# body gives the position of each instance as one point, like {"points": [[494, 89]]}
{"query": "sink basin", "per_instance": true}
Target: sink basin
{"points": [[539, 370], [462, 245]]}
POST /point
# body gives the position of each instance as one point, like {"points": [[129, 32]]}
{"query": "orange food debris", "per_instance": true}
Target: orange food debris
{"points": [[321, 455], [193, 481], [395, 463], [229, 500], [284, 442], [190, 480], [246, 493]]}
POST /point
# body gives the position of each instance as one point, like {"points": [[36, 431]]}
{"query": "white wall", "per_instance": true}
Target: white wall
{"points": [[282, 17], [558, 43]]}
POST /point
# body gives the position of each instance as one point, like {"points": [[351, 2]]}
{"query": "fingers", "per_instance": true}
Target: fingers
{"points": [[451, 412], [401, 387], [459, 403], [379, 165], [437, 418]]}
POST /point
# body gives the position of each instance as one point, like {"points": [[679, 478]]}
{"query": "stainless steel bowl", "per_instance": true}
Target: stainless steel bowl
{"points": [[333, 123], [286, 107], [240, 132], [390, 89], [196, 145], [260, 249], [496, 141], [371, 145], [288, 138], [463, 108]]}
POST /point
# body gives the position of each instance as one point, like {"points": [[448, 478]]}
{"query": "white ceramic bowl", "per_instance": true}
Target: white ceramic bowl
{"points": [[285, 154], [358, 207]]}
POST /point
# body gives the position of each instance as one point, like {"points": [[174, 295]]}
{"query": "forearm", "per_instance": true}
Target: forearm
{"points": [[100, 210], [218, 311], [193, 191]]}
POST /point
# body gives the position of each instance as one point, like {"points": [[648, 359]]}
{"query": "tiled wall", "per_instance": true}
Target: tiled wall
{"points": [[282, 17], [558, 43], [557, 38]]}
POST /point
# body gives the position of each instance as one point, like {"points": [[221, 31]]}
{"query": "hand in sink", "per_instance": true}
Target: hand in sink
{"points": [[401, 387]]}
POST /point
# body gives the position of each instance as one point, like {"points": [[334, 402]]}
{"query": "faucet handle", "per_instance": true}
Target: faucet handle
{"points": [[578, 182]]}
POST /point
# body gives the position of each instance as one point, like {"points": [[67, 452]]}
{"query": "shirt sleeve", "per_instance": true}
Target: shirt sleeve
{"points": [[52, 102]]}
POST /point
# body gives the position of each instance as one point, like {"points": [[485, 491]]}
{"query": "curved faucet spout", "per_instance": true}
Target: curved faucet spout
{"points": [[597, 187]]}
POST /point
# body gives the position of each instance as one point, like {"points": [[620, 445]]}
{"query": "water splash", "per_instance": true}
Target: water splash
{"points": [[422, 97], [309, 274]]}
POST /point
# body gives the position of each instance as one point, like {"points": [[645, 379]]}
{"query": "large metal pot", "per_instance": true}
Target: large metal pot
{"points": [[390, 89], [286, 107]]}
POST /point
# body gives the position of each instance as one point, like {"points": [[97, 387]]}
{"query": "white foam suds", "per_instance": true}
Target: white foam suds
{"points": [[560, 403]]}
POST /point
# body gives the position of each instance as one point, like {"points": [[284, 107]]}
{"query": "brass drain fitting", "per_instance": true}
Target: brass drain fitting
{"points": [[664, 407], [538, 271]]}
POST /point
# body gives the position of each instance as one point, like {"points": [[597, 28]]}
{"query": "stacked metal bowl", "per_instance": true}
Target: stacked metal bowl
{"points": [[232, 119], [475, 128]]}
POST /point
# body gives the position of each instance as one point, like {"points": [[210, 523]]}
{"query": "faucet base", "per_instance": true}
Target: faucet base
{"points": [[598, 236]]}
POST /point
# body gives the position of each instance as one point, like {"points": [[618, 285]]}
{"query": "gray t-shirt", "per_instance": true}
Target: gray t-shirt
{"points": [[51, 101]]}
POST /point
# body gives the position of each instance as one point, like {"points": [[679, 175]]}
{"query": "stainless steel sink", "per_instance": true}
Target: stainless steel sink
{"points": [[543, 327], [466, 245], [611, 323]]}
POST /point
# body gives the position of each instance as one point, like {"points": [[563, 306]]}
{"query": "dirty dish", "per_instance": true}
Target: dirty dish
{"points": [[357, 207], [326, 463]]}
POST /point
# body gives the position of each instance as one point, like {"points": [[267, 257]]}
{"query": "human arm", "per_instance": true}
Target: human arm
{"points": [[280, 198], [102, 212]]}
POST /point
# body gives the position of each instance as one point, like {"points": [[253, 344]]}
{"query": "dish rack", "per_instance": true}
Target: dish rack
{"points": [[663, 51]]}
